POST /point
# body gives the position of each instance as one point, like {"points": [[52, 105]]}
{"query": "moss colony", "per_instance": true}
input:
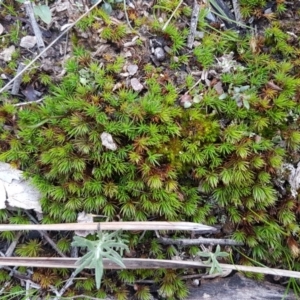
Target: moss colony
{"points": [[213, 163]]}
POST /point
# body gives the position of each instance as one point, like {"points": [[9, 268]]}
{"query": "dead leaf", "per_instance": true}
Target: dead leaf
{"points": [[273, 86], [15, 191], [8, 173], [23, 194], [219, 88], [30, 93], [3, 196], [83, 217], [1, 29]]}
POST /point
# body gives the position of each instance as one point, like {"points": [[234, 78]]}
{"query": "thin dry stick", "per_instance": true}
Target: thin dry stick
{"points": [[49, 46], [13, 245], [194, 85], [172, 15], [126, 15], [35, 27], [66, 286], [138, 263], [29, 102], [111, 226], [45, 235], [200, 240], [193, 26], [17, 83]]}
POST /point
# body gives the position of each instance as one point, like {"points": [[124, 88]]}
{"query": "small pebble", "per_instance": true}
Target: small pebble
{"points": [[28, 41], [136, 85], [159, 54]]}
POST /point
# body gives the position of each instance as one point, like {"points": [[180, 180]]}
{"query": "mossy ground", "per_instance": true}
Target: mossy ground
{"points": [[215, 162]]}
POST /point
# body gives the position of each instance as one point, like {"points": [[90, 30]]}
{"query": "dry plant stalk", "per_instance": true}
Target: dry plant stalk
{"points": [[138, 263], [110, 226]]}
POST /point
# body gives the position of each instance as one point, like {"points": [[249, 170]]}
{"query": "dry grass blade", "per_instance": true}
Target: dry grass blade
{"points": [[137, 263], [110, 226]]}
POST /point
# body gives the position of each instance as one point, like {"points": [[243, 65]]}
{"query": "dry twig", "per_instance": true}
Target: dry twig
{"points": [[138, 263], [193, 26], [45, 235], [200, 240], [17, 83], [111, 226], [35, 27]]}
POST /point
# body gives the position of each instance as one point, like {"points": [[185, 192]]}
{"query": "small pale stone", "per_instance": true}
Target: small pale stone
{"points": [[107, 141], [28, 41], [136, 85], [1, 29], [268, 11], [195, 282], [197, 98], [159, 53], [127, 54], [132, 69], [62, 6], [186, 101], [199, 34], [7, 53], [218, 88]]}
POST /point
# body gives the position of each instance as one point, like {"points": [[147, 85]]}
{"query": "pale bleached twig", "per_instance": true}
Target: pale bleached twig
{"points": [[35, 27], [193, 26], [66, 286], [17, 83], [49, 46], [172, 15], [200, 240], [126, 15], [237, 13], [28, 103], [156, 225], [138, 263], [13, 245]]}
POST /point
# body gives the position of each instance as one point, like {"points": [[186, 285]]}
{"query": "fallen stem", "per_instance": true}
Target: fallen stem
{"points": [[137, 263], [110, 226]]}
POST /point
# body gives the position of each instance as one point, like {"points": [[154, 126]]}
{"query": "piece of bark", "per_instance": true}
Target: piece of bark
{"points": [[17, 82], [193, 25], [238, 287], [237, 12]]}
